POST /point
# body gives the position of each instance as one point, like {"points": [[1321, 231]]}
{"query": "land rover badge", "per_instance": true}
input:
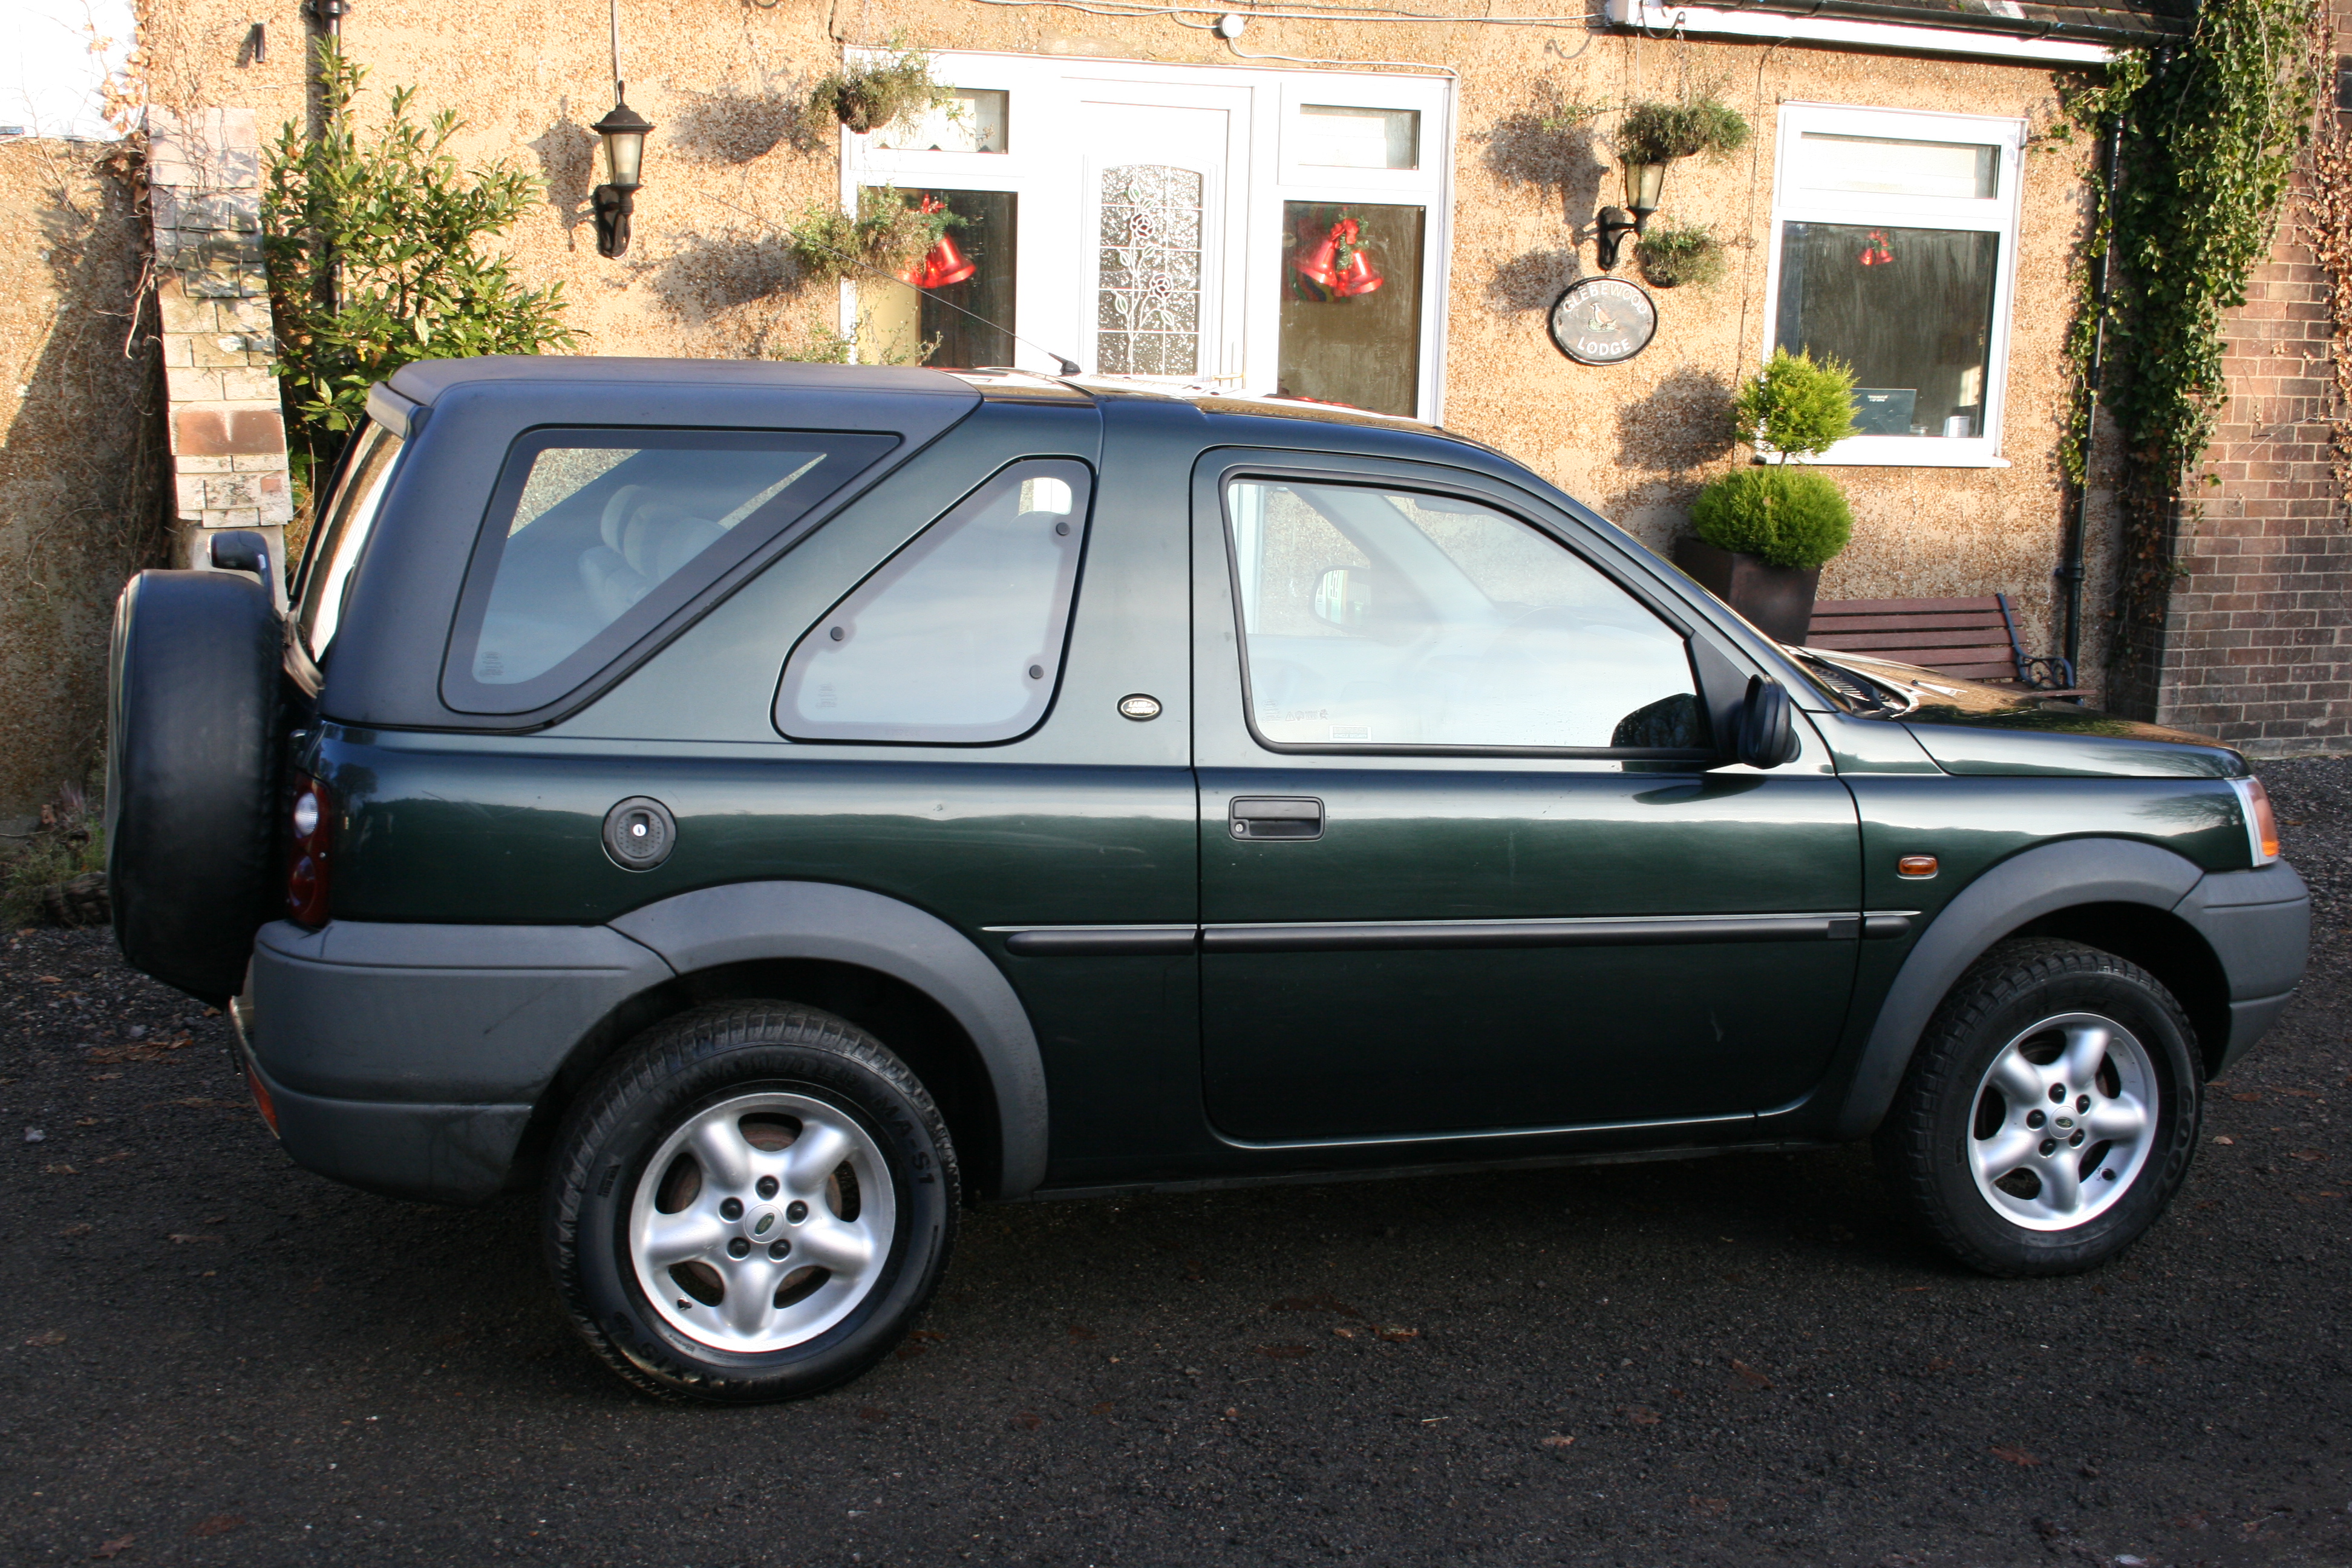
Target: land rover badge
{"points": [[1603, 320]]}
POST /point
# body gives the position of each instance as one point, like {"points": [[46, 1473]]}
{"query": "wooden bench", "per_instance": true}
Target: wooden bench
{"points": [[1975, 640]]}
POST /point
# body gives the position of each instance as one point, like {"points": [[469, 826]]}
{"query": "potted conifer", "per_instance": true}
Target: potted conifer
{"points": [[1763, 533]]}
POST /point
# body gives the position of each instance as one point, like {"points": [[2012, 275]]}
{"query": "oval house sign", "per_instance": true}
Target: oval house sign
{"points": [[1603, 320]]}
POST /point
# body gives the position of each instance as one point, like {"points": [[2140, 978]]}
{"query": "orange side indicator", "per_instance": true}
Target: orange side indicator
{"points": [[261, 1101], [1916, 866]]}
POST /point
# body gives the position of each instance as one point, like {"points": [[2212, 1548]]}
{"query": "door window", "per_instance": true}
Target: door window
{"points": [[1374, 617], [1148, 285], [956, 639]]}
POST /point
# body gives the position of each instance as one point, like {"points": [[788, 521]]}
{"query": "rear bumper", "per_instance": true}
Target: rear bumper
{"points": [[403, 1060], [2258, 924]]}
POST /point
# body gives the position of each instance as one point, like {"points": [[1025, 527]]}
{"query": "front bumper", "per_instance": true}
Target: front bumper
{"points": [[403, 1060], [2258, 924]]}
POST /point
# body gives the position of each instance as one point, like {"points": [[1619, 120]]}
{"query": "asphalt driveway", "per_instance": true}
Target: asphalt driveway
{"points": [[210, 1356]]}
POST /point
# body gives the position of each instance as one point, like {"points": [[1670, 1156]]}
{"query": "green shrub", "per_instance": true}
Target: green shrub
{"points": [[1658, 132], [1790, 515], [70, 841], [1673, 256], [1797, 405], [378, 258]]}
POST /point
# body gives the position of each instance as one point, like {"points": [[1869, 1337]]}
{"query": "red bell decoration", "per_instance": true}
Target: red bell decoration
{"points": [[1323, 267], [1358, 276], [944, 264], [1873, 249]]}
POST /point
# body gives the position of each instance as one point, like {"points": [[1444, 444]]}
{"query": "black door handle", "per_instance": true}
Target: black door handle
{"points": [[1275, 816]]}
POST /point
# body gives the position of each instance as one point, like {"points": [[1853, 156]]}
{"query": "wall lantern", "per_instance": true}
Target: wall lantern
{"points": [[1644, 183], [624, 130]]}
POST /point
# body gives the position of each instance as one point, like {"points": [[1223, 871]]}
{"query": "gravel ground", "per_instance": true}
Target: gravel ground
{"points": [[213, 1357]]}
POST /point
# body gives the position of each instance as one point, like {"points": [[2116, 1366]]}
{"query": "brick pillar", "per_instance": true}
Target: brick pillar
{"points": [[227, 434]]}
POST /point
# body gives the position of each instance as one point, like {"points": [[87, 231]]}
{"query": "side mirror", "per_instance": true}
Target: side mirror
{"points": [[1343, 595], [1768, 726], [241, 550]]}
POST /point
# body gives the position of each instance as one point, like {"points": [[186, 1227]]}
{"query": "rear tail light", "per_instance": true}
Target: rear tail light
{"points": [[2261, 822], [309, 866]]}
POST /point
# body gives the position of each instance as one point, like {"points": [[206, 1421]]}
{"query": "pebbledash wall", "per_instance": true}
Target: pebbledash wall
{"points": [[81, 462], [733, 159]]}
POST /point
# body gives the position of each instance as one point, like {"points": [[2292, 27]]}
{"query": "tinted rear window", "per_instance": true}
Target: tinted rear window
{"points": [[340, 536], [595, 536]]}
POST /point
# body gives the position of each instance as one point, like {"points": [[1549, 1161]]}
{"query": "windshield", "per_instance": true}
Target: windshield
{"points": [[339, 537]]}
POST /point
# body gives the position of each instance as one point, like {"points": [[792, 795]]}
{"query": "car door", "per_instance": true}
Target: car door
{"points": [[1466, 861]]}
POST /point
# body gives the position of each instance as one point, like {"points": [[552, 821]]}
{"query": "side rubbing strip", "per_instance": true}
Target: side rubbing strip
{"points": [[1427, 935], [1100, 941]]}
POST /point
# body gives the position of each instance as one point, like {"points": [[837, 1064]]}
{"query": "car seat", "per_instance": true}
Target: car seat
{"points": [[646, 540]]}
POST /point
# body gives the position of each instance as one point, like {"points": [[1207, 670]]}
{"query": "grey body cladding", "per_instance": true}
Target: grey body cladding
{"points": [[413, 1065]]}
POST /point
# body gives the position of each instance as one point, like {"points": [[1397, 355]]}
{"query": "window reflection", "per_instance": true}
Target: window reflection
{"points": [[1910, 308]]}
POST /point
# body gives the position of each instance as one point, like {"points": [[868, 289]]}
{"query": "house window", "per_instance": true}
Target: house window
{"points": [[1238, 230], [965, 314], [1351, 304], [1893, 249]]}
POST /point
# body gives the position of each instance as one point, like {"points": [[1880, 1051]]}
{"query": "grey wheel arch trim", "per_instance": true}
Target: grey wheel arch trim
{"points": [[748, 921], [2024, 887]]}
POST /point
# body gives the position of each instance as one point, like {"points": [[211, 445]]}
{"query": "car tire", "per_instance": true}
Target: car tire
{"points": [[196, 721], [2049, 1114], [750, 1202]]}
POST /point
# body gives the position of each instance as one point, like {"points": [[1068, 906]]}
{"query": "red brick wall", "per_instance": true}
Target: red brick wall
{"points": [[2257, 646]]}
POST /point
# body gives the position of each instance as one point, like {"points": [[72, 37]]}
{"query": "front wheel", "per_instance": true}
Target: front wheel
{"points": [[752, 1204], [2050, 1112]]}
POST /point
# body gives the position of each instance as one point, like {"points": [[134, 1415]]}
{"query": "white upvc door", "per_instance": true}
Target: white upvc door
{"points": [[1162, 221], [1160, 209]]}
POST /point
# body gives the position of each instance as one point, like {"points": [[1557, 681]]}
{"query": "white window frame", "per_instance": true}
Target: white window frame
{"points": [[1994, 214], [1053, 305]]}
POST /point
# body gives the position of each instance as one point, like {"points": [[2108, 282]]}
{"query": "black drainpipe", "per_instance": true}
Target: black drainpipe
{"points": [[2070, 568]]}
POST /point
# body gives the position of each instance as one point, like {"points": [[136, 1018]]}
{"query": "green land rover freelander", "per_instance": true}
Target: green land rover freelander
{"points": [[767, 808]]}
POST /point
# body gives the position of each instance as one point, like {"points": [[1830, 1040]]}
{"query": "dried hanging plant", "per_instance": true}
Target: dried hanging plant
{"points": [[889, 235], [1672, 257], [1658, 132]]}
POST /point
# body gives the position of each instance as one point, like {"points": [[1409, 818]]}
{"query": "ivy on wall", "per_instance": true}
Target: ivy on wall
{"points": [[2210, 129], [2328, 230]]}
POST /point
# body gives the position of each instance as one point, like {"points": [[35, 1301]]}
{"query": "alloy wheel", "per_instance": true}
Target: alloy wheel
{"points": [[761, 1221], [2064, 1119]]}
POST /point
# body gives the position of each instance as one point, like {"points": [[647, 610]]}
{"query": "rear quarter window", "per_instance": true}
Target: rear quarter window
{"points": [[956, 639], [593, 537]]}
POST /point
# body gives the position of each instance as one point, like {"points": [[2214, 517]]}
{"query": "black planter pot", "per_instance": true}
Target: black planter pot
{"points": [[1778, 599]]}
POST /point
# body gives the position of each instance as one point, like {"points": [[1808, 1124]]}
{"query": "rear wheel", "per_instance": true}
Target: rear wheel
{"points": [[752, 1204], [2050, 1112]]}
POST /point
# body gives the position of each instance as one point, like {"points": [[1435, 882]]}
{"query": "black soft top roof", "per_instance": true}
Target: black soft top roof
{"points": [[425, 381]]}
